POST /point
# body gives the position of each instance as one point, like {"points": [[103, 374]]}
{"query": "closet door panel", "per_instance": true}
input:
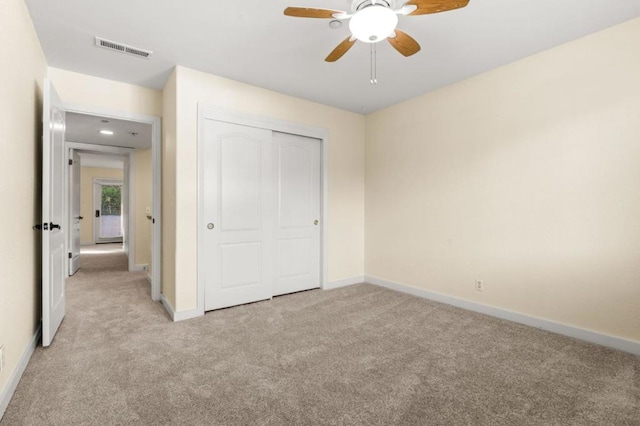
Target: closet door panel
{"points": [[237, 189], [297, 170]]}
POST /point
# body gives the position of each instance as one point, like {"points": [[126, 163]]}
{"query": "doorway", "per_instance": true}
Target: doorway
{"points": [[108, 226], [98, 181], [88, 171], [120, 169], [61, 216]]}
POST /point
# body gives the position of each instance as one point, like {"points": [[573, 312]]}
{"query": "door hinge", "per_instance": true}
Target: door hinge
{"points": [[70, 256], [70, 162]]}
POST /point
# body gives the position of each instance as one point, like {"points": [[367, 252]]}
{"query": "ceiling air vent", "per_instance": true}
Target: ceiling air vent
{"points": [[122, 48]]}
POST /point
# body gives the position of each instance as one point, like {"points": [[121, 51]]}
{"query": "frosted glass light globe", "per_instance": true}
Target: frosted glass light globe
{"points": [[373, 24]]}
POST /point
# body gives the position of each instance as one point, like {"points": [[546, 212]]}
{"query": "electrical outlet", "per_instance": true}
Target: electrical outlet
{"points": [[479, 285], [1, 357]]}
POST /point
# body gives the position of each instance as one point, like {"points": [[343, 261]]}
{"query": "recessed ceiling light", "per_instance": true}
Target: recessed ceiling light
{"points": [[106, 132]]}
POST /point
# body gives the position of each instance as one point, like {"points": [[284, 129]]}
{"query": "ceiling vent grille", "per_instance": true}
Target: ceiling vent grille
{"points": [[123, 48]]}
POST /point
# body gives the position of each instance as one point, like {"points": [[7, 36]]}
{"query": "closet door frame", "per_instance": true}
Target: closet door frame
{"points": [[210, 112]]}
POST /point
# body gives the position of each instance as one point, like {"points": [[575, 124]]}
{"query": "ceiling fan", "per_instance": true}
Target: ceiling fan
{"points": [[372, 21]]}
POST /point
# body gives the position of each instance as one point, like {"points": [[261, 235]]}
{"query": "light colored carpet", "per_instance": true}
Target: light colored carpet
{"points": [[358, 355]]}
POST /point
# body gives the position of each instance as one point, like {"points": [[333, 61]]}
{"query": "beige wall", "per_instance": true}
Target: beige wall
{"points": [[169, 122], [526, 177], [346, 170], [86, 90], [22, 71], [143, 197], [87, 174]]}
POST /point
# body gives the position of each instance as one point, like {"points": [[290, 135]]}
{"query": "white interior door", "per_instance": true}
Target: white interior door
{"points": [[74, 178], [237, 214], [53, 236], [297, 246]]}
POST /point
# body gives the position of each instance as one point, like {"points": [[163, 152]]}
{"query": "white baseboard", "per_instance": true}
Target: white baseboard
{"points": [[185, 315], [141, 267], [344, 282], [167, 306], [149, 277], [14, 379], [544, 324], [180, 315]]}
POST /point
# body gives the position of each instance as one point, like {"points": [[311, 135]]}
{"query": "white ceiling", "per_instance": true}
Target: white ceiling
{"points": [[86, 129], [252, 41]]}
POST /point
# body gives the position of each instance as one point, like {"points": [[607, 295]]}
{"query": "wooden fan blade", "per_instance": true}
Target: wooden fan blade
{"points": [[304, 12], [340, 50], [404, 43], [426, 7]]}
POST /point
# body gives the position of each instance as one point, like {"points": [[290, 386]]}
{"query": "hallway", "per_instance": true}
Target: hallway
{"points": [[108, 309], [103, 287]]}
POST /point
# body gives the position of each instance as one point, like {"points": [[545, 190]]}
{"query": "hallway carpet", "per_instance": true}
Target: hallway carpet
{"points": [[360, 355]]}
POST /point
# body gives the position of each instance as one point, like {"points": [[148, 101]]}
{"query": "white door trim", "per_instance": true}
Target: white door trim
{"points": [[156, 154], [211, 112], [68, 208]]}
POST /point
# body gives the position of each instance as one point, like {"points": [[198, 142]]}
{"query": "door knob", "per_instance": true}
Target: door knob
{"points": [[210, 226], [315, 222], [53, 226]]}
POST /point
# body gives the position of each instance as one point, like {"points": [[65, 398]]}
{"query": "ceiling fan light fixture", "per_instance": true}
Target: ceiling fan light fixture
{"points": [[373, 24]]}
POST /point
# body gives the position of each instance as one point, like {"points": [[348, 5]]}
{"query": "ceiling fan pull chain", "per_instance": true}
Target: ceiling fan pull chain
{"points": [[375, 63], [374, 67], [371, 63]]}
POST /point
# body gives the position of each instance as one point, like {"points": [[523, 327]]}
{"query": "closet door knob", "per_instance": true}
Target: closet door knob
{"points": [[315, 222], [210, 226]]}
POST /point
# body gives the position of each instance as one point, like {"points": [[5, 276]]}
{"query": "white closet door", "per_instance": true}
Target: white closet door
{"points": [[297, 245], [237, 214]]}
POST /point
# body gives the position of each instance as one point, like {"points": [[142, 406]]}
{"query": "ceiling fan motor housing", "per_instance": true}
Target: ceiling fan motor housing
{"points": [[361, 4]]}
